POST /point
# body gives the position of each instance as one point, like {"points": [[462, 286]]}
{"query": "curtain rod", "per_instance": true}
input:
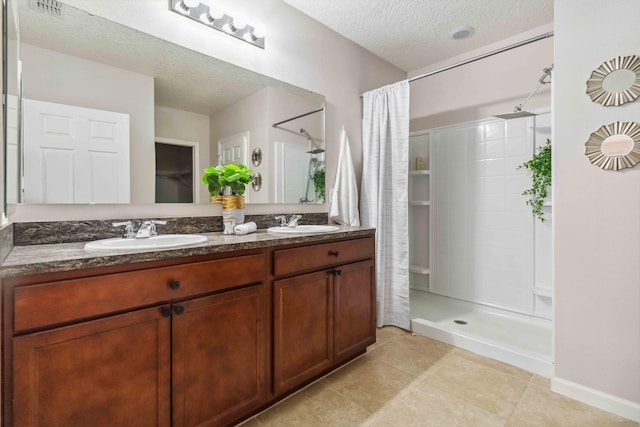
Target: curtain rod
{"points": [[299, 117], [484, 55]]}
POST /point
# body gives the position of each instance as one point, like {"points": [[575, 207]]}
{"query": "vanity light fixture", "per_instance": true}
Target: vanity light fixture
{"points": [[214, 18]]}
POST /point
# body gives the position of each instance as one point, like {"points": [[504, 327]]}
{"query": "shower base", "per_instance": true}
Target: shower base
{"points": [[509, 337]]}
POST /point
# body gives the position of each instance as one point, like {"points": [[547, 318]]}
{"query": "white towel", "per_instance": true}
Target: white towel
{"points": [[245, 228], [344, 201]]}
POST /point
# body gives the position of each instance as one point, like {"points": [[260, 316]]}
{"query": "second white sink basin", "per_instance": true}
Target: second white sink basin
{"points": [[163, 241], [303, 229]]}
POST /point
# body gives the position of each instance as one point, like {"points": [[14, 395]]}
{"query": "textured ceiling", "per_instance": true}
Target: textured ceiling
{"points": [[412, 34], [183, 79]]}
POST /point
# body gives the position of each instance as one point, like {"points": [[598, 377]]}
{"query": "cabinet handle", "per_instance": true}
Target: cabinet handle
{"points": [[166, 311], [175, 284], [334, 253], [336, 272], [178, 309]]}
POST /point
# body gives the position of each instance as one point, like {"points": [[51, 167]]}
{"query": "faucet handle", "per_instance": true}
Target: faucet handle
{"points": [[152, 226], [283, 220], [128, 229], [293, 221]]}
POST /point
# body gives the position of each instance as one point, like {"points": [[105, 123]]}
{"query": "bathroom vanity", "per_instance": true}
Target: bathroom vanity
{"points": [[205, 335]]}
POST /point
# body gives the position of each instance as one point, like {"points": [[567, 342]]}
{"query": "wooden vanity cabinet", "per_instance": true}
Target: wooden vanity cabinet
{"points": [[190, 361], [112, 371], [219, 350], [203, 342], [325, 317]]}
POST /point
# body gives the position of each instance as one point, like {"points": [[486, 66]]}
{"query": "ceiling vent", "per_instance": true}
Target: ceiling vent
{"points": [[50, 7], [461, 33]]}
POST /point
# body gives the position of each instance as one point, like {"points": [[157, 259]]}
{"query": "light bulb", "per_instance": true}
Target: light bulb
{"points": [[228, 28], [181, 8], [239, 23], [216, 14], [206, 19], [259, 31], [249, 36], [191, 3]]}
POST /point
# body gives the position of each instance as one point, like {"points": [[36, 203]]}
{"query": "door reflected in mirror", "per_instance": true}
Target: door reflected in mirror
{"points": [[168, 93]]}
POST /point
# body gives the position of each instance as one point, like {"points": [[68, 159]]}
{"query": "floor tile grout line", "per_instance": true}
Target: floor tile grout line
{"points": [[519, 401]]}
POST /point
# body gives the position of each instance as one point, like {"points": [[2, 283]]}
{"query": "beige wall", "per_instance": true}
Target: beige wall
{"points": [[493, 85], [186, 126], [299, 51], [596, 213], [75, 81]]}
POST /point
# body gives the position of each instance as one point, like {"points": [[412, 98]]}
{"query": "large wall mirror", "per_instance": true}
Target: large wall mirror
{"points": [[101, 113]]}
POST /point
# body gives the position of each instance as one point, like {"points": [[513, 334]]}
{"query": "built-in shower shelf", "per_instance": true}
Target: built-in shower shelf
{"points": [[542, 291], [419, 270], [420, 172], [419, 203]]}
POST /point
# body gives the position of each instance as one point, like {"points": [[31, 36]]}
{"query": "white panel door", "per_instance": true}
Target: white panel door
{"points": [[12, 149], [233, 149], [75, 155]]}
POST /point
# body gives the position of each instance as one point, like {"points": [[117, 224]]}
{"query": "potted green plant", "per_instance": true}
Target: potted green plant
{"points": [[540, 168], [235, 178]]}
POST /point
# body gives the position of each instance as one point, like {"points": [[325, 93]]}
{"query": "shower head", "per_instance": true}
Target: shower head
{"points": [[517, 112], [514, 115], [317, 149]]}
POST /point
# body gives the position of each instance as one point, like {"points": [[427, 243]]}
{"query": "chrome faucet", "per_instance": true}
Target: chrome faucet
{"points": [[293, 221], [148, 229], [129, 232], [145, 230], [283, 220]]}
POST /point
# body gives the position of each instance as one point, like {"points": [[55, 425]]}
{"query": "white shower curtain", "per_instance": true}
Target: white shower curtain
{"points": [[384, 198]]}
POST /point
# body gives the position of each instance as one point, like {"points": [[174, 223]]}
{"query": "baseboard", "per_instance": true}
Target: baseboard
{"points": [[606, 402]]}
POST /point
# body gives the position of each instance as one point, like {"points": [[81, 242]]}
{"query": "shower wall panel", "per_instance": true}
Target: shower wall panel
{"points": [[483, 230]]}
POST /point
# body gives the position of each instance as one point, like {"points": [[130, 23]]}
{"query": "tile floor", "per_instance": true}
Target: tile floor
{"points": [[406, 380]]}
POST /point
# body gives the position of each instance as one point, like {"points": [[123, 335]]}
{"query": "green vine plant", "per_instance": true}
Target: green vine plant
{"points": [[318, 183], [540, 168]]}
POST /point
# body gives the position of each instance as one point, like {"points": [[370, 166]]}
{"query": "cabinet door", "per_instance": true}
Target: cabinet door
{"points": [[219, 357], [109, 372], [354, 308], [302, 328]]}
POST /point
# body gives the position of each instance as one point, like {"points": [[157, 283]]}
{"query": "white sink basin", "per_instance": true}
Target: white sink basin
{"points": [[303, 229], [163, 241]]}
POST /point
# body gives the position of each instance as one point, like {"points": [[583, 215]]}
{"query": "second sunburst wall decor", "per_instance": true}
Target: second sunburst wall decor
{"points": [[615, 82], [615, 146]]}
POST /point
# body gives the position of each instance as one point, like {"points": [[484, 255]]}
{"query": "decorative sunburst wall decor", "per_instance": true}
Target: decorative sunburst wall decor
{"points": [[594, 85], [594, 149]]}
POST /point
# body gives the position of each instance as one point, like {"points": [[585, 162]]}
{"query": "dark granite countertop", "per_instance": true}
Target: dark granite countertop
{"points": [[37, 259]]}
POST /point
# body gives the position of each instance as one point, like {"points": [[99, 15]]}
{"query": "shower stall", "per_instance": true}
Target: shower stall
{"points": [[480, 264]]}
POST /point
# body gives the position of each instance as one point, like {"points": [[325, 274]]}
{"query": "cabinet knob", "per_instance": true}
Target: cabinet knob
{"points": [[175, 284], [178, 309], [336, 272], [165, 311], [334, 253]]}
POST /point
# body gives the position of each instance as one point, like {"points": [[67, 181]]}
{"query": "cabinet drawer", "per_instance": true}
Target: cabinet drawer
{"points": [[51, 303], [288, 261]]}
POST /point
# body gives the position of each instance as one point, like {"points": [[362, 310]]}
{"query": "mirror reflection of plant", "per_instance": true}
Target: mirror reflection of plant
{"points": [[540, 168], [236, 177], [318, 183]]}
